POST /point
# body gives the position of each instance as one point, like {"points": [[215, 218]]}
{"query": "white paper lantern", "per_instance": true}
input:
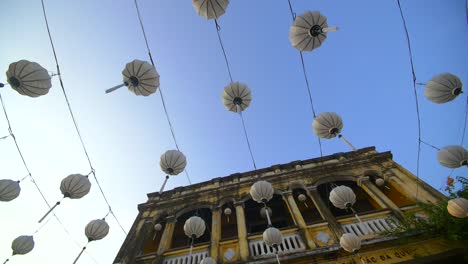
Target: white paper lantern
{"points": [[96, 229], [22, 245], [75, 186], [194, 227], [228, 211], [210, 9], [28, 78], [9, 190], [443, 88], [350, 242], [453, 156], [272, 237], [157, 227], [236, 97], [302, 197], [458, 207], [140, 77], [309, 31], [327, 125], [262, 191], [208, 260], [379, 182], [173, 162], [342, 197], [263, 212]]}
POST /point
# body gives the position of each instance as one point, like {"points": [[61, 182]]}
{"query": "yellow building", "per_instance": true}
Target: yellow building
{"points": [[311, 228]]}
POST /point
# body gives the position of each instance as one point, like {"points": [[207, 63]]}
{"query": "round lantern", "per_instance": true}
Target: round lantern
{"points": [[263, 211], [272, 237], [443, 88], [262, 191], [350, 242], [140, 77], [458, 207], [29, 78], [342, 197], [96, 229], [22, 245], [74, 186], [309, 31], [208, 260], [302, 197], [379, 182], [227, 211], [173, 162], [453, 156], [194, 227], [327, 125], [157, 227], [236, 97], [9, 190], [210, 9]]}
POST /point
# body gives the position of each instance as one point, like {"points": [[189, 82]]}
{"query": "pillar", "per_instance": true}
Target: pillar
{"points": [[326, 214], [299, 219], [242, 231], [215, 233], [166, 237]]}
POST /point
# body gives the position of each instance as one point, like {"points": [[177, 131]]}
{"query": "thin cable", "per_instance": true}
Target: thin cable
{"points": [[293, 15], [430, 145], [247, 139], [465, 121], [415, 94], [171, 127], [1, 138], [72, 114], [218, 29]]}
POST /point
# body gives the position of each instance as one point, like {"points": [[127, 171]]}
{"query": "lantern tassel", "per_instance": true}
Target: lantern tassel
{"points": [[228, 218], [362, 261], [6, 261], [363, 226], [79, 255], [155, 234], [267, 214], [346, 142], [110, 90], [330, 29], [164, 184], [277, 259], [50, 211], [190, 253], [306, 205]]}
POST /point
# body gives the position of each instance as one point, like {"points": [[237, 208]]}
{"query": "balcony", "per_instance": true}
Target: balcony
{"points": [[182, 256], [373, 224], [292, 243]]}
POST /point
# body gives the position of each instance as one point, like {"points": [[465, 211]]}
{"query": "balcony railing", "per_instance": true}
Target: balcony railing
{"points": [[291, 243], [372, 224], [195, 258]]}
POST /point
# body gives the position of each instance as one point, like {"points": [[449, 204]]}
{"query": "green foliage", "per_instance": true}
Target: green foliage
{"points": [[436, 221]]}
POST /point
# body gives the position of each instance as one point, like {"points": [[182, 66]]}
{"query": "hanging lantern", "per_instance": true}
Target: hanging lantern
{"points": [[262, 191], [236, 97], [22, 245], [74, 186], [173, 162], [342, 197], [458, 207], [157, 228], [94, 230], [443, 88], [210, 9], [208, 260], [309, 31], [272, 237], [9, 190], [29, 78], [140, 77], [227, 211], [379, 182], [453, 156], [302, 198], [263, 212], [194, 227], [329, 125], [350, 242]]}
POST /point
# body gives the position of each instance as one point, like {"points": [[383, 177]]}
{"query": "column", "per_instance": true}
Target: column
{"points": [[321, 206], [242, 231], [215, 233], [299, 219], [379, 196], [166, 237]]}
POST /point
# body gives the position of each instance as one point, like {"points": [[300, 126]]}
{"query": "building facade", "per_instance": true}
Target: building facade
{"points": [[311, 226]]}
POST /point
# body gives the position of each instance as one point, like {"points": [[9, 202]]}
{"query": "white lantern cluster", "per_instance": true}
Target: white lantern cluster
{"points": [[94, 230], [210, 9], [329, 125], [140, 77], [236, 97], [29, 78], [443, 88], [458, 207], [309, 31], [453, 157], [172, 162], [9, 190]]}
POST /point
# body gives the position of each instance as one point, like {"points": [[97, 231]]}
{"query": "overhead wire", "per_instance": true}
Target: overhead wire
{"points": [[166, 112], [75, 123]]}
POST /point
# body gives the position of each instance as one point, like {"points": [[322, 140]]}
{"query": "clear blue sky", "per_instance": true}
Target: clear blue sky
{"points": [[361, 72]]}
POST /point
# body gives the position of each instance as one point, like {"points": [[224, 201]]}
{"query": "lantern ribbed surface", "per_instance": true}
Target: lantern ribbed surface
{"points": [[210, 9], [443, 88], [342, 197], [350, 242], [140, 77], [96, 229], [227, 211], [22, 245], [29, 78], [194, 226], [262, 191], [327, 125], [306, 32], [236, 97], [208, 260], [458, 207], [272, 237], [9, 190], [173, 162], [453, 156], [75, 186]]}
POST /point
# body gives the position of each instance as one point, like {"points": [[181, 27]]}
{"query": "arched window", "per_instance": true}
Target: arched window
{"points": [[228, 222], [280, 217], [364, 203], [179, 239], [307, 208]]}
